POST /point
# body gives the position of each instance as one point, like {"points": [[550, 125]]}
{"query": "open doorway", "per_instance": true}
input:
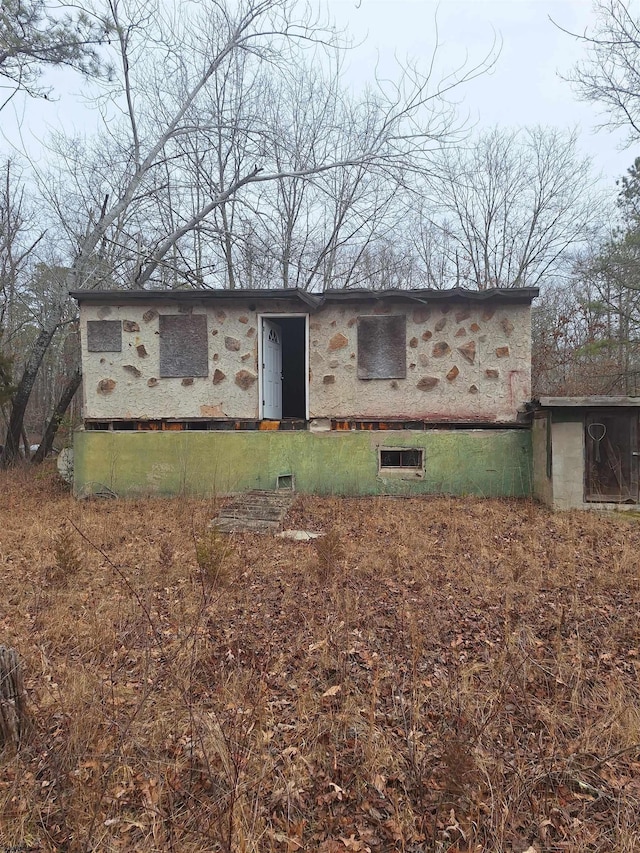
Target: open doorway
{"points": [[611, 463], [284, 367]]}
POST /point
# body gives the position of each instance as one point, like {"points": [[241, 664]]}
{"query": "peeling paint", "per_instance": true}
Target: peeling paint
{"points": [[490, 463]]}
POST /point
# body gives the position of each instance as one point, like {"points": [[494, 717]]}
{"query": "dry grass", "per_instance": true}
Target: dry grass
{"points": [[446, 675]]}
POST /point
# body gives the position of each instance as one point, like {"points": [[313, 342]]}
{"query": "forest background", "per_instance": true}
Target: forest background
{"points": [[231, 150]]}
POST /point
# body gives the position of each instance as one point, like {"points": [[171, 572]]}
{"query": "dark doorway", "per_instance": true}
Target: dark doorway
{"points": [[294, 384], [611, 457]]}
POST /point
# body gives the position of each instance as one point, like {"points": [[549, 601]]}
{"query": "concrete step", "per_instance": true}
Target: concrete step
{"points": [[256, 511]]}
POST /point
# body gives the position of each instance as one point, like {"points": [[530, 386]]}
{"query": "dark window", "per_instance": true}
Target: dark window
{"points": [[382, 347], [184, 347], [410, 457], [104, 336]]}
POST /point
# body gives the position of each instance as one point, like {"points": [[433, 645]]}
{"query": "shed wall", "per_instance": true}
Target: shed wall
{"points": [[568, 463], [542, 450]]}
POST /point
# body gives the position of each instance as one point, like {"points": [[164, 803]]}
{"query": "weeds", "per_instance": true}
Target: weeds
{"points": [[470, 684], [215, 558], [68, 561], [166, 555], [330, 555]]}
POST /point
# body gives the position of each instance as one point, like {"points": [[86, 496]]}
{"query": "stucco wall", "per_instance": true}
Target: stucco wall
{"points": [[465, 360], [128, 384], [481, 462]]}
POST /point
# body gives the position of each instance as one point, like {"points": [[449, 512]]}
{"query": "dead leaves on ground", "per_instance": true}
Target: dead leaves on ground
{"points": [[464, 678]]}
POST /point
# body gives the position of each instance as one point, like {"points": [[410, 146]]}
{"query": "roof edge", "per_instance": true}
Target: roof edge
{"points": [[586, 401], [510, 294], [313, 300]]}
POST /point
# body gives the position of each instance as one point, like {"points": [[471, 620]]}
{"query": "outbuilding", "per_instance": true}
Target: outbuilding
{"points": [[585, 452]]}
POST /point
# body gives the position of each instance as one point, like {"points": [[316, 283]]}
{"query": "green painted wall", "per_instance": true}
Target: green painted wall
{"points": [[478, 462]]}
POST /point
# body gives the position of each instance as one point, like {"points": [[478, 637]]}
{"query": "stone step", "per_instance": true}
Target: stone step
{"points": [[243, 525], [256, 511]]}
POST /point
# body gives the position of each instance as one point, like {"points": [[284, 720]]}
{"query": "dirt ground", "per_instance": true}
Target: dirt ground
{"points": [[433, 674]]}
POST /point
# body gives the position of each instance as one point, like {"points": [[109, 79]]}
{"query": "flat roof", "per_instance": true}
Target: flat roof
{"points": [[102, 296], [598, 401], [313, 300]]}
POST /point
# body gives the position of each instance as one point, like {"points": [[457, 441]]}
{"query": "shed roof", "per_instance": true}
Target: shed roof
{"points": [[313, 300], [588, 402]]}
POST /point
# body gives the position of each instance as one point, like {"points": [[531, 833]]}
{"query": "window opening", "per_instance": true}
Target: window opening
{"points": [[183, 345], [406, 457], [285, 482], [104, 336]]}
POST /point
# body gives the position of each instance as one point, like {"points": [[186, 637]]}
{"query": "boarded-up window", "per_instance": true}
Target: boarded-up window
{"points": [[104, 336], [183, 345], [382, 347]]}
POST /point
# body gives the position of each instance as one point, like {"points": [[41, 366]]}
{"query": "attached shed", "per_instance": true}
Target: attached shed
{"points": [[348, 391], [586, 452]]}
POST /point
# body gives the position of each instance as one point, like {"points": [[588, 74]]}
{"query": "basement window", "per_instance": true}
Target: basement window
{"points": [[401, 460]]}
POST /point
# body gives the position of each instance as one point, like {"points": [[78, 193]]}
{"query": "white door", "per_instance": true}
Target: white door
{"points": [[271, 370]]}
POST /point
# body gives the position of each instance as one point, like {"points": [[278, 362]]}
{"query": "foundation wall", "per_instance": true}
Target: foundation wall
{"points": [[486, 462]]}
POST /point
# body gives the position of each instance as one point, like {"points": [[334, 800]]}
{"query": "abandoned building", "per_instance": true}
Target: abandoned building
{"points": [[585, 452], [344, 392]]}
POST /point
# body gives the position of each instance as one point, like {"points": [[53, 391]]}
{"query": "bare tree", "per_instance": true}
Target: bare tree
{"points": [[610, 73], [127, 205], [18, 239], [508, 208]]}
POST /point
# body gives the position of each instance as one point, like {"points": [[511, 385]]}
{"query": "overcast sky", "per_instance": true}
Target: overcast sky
{"points": [[525, 86]]}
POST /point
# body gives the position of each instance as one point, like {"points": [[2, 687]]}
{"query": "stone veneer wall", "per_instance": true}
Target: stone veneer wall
{"points": [[127, 384], [465, 361]]}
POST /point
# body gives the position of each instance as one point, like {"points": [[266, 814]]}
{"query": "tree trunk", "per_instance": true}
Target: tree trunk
{"points": [[26, 444], [68, 392], [20, 399], [13, 711]]}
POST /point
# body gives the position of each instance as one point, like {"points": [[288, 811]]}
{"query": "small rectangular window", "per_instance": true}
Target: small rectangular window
{"points": [[401, 459], [184, 347]]}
